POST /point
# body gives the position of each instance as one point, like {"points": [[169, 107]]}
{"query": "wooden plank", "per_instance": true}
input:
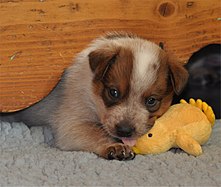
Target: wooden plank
{"points": [[38, 39]]}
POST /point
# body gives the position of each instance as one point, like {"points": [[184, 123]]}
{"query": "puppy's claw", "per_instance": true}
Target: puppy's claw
{"points": [[111, 155], [118, 151], [132, 155], [123, 153], [121, 156]]}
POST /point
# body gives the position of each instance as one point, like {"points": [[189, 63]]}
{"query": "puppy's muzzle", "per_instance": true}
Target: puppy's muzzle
{"points": [[124, 129]]}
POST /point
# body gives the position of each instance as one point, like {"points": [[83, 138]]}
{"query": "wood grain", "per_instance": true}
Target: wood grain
{"points": [[38, 39]]}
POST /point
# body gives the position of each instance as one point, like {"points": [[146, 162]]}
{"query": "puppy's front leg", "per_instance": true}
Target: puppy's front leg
{"points": [[91, 137]]}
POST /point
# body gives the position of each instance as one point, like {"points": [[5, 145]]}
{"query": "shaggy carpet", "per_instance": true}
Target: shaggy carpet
{"points": [[25, 159]]}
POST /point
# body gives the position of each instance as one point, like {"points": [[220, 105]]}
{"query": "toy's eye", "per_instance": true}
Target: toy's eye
{"points": [[150, 135]]}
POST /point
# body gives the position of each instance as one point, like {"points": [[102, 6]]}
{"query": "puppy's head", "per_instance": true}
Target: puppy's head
{"points": [[133, 84]]}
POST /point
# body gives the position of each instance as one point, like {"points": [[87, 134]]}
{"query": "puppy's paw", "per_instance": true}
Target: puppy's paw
{"points": [[118, 151]]}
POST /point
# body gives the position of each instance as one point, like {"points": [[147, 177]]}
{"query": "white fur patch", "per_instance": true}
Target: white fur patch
{"points": [[146, 55]]}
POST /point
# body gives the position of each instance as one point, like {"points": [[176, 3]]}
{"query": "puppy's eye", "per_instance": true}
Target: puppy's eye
{"points": [[150, 102], [114, 93]]}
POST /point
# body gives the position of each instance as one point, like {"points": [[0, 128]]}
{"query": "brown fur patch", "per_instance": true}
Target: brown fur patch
{"points": [[100, 60], [178, 74], [118, 77], [165, 86], [161, 89]]}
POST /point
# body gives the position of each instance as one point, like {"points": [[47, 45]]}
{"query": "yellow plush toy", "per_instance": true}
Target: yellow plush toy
{"points": [[184, 125]]}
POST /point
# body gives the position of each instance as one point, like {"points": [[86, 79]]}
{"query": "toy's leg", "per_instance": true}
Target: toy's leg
{"points": [[188, 144]]}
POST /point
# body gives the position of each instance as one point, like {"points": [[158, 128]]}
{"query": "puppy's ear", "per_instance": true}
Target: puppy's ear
{"points": [[178, 76], [101, 60]]}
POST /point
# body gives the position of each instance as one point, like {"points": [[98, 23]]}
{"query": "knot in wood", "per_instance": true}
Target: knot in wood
{"points": [[166, 9]]}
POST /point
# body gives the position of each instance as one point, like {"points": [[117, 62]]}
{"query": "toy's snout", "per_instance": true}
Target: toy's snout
{"points": [[152, 143], [145, 144]]}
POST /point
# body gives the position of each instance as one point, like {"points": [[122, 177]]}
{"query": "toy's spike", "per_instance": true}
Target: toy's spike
{"points": [[205, 106], [210, 115], [199, 104], [206, 109], [182, 101], [213, 119], [192, 102]]}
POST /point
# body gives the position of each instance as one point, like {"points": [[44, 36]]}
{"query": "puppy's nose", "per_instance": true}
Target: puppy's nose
{"points": [[124, 129]]}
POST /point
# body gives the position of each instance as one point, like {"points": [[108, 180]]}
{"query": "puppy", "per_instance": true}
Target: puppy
{"points": [[109, 97]]}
